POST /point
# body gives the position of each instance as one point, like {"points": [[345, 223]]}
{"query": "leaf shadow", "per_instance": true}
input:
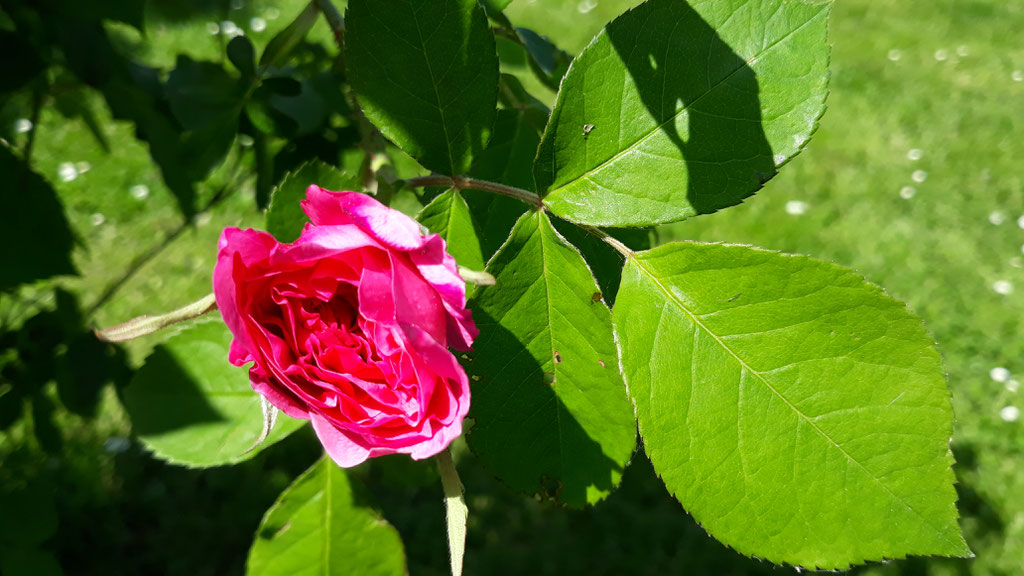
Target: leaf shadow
{"points": [[719, 131], [521, 428], [180, 405]]}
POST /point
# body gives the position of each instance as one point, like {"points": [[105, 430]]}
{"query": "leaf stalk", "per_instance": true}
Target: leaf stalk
{"points": [[461, 182]]}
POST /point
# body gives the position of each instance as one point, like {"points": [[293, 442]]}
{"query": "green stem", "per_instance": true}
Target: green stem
{"points": [[144, 325], [608, 239], [461, 182], [455, 504], [334, 20]]}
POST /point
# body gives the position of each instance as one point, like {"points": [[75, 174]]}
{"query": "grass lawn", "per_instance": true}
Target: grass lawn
{"points": [[914, 179]]}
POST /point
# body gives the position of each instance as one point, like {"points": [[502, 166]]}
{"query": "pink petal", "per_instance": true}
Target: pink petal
{"points": [[341, 447], [282, 400], [319, 242], [439, 268], [237, 249], [389, 227]]}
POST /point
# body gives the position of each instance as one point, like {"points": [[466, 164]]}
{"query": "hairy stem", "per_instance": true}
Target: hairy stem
{"points": [[144, 325], [472, 183], [455, 504], [334, 20], [608, 239]]}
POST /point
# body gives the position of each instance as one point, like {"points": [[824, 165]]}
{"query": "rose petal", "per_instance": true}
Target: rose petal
{"points": [[439, 269], [237, 249], [420, 304], [341, 447], [389, 227], [319, 242], [281, 399]]}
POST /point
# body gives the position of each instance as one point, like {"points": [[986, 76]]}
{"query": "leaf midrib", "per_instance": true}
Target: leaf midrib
{"points": [[697, 322], [541, 222], [437, 95], [585, 175]]}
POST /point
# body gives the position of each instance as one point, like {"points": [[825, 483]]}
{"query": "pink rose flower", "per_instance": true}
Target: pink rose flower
{"points": [[349, 326]]}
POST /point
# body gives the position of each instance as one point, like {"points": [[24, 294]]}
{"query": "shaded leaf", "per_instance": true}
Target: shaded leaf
{"points": [[799, 413], [514, 96], [322, 524], [242, 56], [30, 515], [190, 406], [549, 62], [604, 261], [28, 561], [30, 206], [550, 410], [18, 71], [427, 79], [507, 160], [280, 47], [285, 218], [202, 92], [674, 111]]}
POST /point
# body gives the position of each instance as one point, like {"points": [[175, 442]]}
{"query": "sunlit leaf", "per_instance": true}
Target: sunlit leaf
{"points": [[449, 216], [190, 406], [799, 413], [323, 524], [680, 109]]}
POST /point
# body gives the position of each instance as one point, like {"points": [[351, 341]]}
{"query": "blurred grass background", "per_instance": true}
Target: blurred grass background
{"points": [[914, 179]]}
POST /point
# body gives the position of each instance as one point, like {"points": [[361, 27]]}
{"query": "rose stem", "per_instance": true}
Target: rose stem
{"points": [[461, 182], [455, 504]]}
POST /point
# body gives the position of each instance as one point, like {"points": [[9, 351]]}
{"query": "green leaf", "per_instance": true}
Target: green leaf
{"points": [[190, 406], [34, 207], [279, 48], [604, 261], [270, 120], [449, 216], [131, 12], [242, 56], [21, 70], [799, 413], [674, 111], [285, 218], [201, 93], [30, 514], [495, 5], [322, 524], [28, 561], [550, 410], [514, 96], [507, 160], [427, 78], [78, 103], [549, 62]]}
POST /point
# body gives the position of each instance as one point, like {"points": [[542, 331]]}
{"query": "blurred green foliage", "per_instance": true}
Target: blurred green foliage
{"points": [[103, 103]]}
